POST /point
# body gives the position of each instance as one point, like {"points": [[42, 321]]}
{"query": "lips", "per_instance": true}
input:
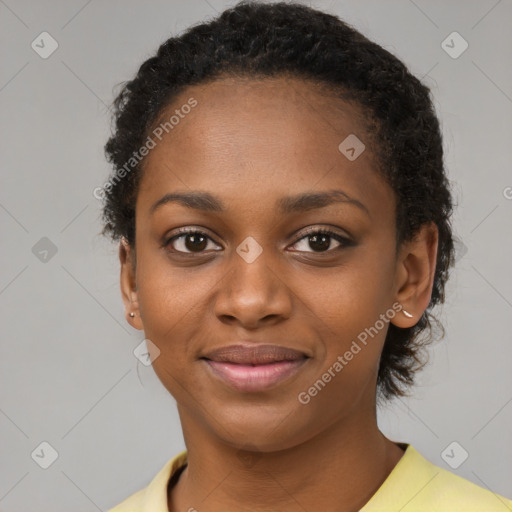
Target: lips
{"points": [[254, 354], [252, 368]]}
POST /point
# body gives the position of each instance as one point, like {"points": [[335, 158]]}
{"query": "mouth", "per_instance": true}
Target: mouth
{"points": [[251, 368]]}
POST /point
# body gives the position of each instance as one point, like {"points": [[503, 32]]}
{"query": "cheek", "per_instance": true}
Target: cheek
{"points": [[166, 295], [350, 309], [347, 298], [169, 306]]}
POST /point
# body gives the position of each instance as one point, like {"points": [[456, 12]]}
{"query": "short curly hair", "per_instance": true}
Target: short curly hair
{"points": [[255, 39]]}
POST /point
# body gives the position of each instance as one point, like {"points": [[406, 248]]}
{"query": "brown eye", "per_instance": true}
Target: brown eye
{"points": [[320, 240], [189, 242]]}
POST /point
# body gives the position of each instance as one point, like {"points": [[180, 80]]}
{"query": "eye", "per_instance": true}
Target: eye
{"points": [[320, 240], [190, 241]]}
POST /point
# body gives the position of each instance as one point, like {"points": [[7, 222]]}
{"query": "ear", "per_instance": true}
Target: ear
{"points": [[415, 271], [128, 284]]}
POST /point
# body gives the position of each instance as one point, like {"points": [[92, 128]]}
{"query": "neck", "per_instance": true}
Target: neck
{"points": [[338, 469]]}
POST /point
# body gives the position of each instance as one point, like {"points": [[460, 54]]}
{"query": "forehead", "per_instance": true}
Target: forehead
{"points": [[265, 138]]}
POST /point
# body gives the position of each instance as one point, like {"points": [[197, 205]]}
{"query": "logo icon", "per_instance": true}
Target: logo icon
{"points": [[454, 45], [249, 249], [454, 455], [351, 147], [44, 45], [146, 352], [44, 250], [44, 455]]}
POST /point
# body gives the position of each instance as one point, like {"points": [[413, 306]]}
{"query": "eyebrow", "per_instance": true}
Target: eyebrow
{"points": [[207, 202]]}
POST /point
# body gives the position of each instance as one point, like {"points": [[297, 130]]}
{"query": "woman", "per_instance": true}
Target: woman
{"points": [[283, 215]]}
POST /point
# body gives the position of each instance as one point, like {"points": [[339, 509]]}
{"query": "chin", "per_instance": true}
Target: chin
{"points": [[260, 428]]}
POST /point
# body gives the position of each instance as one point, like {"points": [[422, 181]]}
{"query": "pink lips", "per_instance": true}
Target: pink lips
{"points": [[254, 367]]}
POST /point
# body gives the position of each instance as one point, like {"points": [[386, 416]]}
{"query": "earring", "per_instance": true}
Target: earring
{"points": [[407, 314], [132, 314]]}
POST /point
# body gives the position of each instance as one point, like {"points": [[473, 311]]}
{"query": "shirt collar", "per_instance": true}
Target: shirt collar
{"points": [[155, 498], [410, 470]]}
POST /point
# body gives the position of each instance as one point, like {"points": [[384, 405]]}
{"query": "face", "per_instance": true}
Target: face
{"points": [[254, 268]]}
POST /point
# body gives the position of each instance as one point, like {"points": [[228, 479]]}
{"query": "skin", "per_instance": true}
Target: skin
{"points": [[251, 142]]}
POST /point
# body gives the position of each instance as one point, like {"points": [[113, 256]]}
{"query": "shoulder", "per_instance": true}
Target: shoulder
{"points": [[415, 484], [153, 498], [448, 490]]}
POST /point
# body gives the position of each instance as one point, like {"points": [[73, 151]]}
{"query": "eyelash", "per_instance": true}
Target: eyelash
{"points": [[345, 242]]}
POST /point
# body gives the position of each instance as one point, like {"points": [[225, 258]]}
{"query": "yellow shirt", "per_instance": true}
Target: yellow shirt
{"points": [[414, 485]]}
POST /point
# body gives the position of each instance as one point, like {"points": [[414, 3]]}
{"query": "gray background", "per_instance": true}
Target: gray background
{"points": [[68, 373]]}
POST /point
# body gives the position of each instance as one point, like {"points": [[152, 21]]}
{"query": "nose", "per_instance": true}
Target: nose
{"points": [[253, 293]]}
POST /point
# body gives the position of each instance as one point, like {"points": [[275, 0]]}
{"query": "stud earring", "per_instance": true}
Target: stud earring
{"points": [[407, 314], [132, 314]]}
